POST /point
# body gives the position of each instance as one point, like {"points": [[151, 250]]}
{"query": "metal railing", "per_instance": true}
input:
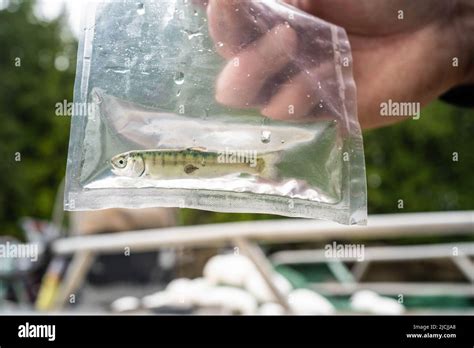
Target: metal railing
{"points": [[247, 235]]}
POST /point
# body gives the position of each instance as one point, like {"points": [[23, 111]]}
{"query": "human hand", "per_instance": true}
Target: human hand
{"points": [[403, 56]]}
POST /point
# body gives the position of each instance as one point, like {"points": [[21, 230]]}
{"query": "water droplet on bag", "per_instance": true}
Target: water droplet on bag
{"points": [[266, 135], [191, 34], [140, 9], [179, 78], [120, 71]]}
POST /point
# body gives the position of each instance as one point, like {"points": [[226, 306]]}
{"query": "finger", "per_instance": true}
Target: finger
{"points": [[233, 24], [241, 81], [310, 94]]}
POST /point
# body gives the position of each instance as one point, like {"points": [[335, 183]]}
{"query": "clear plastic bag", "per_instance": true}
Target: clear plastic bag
{"points": [[236, 106]]}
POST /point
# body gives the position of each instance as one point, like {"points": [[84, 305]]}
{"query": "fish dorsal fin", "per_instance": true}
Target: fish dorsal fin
{"points": [[197, 148]]}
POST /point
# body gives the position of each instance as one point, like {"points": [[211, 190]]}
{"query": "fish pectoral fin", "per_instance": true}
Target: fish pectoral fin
{"points": [[197, 148], [189, 168]]}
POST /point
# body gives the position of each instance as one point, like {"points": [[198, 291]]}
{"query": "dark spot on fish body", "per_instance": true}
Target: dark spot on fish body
{"points": [[189, 168]]}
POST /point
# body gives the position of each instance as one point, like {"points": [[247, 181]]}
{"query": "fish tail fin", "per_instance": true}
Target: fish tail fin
{"points": [[267, 166]]}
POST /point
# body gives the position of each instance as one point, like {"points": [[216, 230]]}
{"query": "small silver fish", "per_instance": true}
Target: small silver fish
{"points": [[189, 163]]}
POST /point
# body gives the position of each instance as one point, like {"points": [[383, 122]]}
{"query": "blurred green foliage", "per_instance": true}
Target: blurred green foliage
{"points": [[411, 161], [33, 140], [427, 163]]}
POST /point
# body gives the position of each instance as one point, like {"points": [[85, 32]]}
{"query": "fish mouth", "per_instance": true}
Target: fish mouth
{"points": [[114, 169]]}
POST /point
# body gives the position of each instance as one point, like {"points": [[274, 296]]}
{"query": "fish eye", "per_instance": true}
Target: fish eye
{"points": [[120, 163]]}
